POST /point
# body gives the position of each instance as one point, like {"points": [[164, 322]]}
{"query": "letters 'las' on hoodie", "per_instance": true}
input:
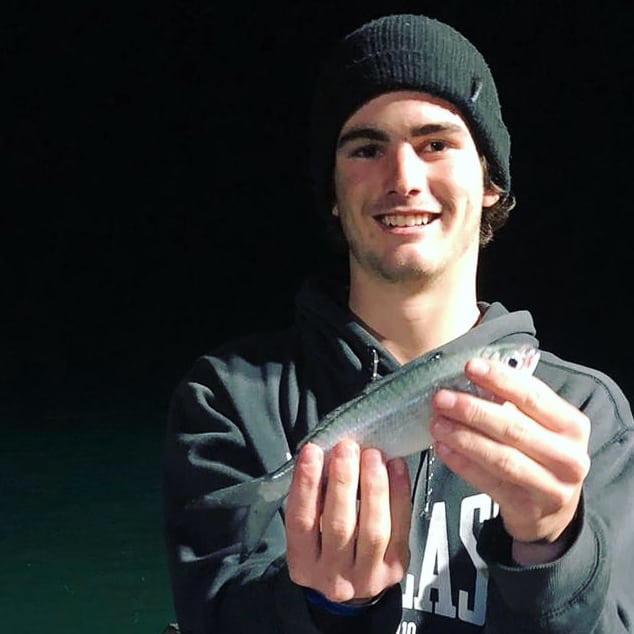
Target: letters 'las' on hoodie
{"points": [[244, 408]]}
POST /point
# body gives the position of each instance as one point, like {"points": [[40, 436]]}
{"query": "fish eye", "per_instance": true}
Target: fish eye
{"points": [[513, 362]]}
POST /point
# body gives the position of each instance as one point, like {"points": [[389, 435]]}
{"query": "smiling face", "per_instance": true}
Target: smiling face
{"points": [[409, 189]]}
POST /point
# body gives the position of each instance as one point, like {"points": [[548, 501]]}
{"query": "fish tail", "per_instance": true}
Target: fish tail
{"points": [[262, 497]]}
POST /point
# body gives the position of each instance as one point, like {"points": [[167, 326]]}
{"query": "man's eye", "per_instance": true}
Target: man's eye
{"points": [[365, 151], [436, 146]]}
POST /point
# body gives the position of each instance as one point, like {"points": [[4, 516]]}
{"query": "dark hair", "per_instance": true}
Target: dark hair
{"points": [[495, 216]]}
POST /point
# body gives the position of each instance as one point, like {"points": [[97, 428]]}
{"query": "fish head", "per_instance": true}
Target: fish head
{"points": [[522, 357]]}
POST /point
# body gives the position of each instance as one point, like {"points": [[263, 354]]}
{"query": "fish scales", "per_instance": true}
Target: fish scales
{"points": [[388, 416]]}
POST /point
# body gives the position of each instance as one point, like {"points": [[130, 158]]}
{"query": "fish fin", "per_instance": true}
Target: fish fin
{"points": [[241, 494], [262, 497], [258, 518]]}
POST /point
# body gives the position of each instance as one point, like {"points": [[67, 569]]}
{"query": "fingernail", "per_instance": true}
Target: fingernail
{"points": [[441, 450], [348, 449], [444, 399], [440, 427], [311, 453], [478, 366], [398, 466]]}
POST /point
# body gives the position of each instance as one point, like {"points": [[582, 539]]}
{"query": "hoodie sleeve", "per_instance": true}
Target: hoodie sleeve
{"points": [[224, 428], [588, 589], [209, 446]]}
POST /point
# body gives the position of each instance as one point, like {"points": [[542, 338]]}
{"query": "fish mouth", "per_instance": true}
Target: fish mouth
{"points": [[407, 219], [532, 360]]}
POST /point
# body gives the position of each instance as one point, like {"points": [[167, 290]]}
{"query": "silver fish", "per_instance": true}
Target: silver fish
{"points": [[391, 414]]}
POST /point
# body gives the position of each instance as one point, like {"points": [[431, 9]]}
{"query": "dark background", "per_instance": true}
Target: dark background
{"points": [[157, 202]]}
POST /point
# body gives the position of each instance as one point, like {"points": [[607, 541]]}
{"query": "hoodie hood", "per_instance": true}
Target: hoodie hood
{"points": [[324, 317]]}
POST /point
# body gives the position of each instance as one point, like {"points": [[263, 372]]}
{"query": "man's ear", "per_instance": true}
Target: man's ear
{"points": [[335, 210], [490, 197]]}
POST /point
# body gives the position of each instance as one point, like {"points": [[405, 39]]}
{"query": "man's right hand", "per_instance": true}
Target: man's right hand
{"points": [[347, 532]]}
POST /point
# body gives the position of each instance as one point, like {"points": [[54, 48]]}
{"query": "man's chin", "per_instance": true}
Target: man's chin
{"points": [[404, 273]]}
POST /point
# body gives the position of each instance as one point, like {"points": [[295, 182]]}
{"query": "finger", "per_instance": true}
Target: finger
{"points": [[485, 464], [339, 518], [564, 456], [536, 509], [397, 554], [374, 526], [503, 472], [303, 512], [530, 395]]}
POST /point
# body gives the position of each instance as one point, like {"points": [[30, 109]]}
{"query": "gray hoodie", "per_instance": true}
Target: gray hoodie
{"points": [[244, 408]]}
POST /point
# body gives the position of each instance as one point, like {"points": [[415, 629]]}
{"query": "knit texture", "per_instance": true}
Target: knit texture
{"points": [[405, 52]]}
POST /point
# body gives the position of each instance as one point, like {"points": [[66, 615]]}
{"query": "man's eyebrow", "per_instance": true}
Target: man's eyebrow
{"points": [[372, 134], [435, 128], [367, 133]]}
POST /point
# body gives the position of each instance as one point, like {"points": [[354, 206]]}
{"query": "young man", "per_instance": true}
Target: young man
{"points": [[520, 517]]}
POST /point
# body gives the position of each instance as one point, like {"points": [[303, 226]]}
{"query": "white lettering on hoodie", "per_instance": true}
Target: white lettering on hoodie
{"points": [[434, 581]]}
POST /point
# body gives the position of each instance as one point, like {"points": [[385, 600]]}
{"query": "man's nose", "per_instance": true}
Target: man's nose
{"points": [[407, 172]]}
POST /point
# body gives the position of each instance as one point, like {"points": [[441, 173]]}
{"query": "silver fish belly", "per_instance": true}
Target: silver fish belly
{"points": [[392, 415]]}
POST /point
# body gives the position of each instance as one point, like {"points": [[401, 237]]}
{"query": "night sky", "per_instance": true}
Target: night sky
{"points": [[157, 199]]}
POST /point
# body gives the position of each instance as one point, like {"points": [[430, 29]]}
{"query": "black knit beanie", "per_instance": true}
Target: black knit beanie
{"points": [[405, 52]]}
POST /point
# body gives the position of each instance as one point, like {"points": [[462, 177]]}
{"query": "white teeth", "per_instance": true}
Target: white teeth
{"points": [[409, 220]]}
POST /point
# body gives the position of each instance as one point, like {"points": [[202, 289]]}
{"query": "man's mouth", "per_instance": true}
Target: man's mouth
{"points": [[407, 220]]}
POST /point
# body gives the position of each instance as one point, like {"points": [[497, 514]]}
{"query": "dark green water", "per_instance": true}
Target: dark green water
{"points": [[81, 548]]}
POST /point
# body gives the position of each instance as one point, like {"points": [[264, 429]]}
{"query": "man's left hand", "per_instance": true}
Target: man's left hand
{"points": [[527, 449]]}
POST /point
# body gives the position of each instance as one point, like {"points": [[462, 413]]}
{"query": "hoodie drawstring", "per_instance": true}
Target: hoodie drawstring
{"points": [[429, 474], [374, 368], [430, 458]]}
